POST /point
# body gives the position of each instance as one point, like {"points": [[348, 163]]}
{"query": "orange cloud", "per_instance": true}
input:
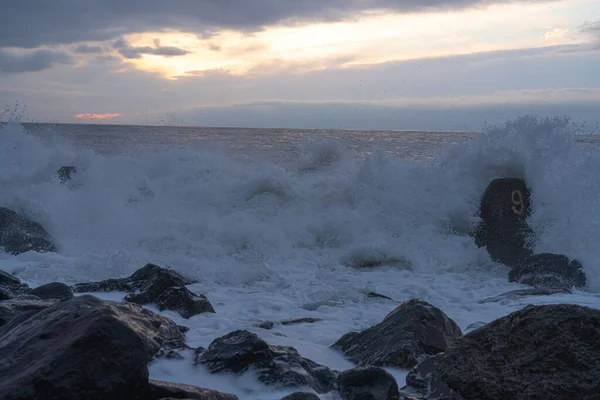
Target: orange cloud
{"points": [[96, 116]]}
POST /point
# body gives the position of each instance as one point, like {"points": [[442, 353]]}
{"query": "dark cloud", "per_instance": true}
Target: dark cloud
{"points": [[16, 62], [131, 52], [31, 23], [87, 49]]}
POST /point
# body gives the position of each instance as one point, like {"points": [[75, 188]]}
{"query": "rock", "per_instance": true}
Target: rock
{"points": [[162, 390], [375, 295], [19, 235], [546, 352], [412, 332], [83, 348], [519, 294], [8, 279], [64, 173], [11, 287], [475, 325], [24, 307], [280, 366], [503, 231], [305, 320], [152, 284], [372, 383], [549, 270], [301, 396], [54, 290]]}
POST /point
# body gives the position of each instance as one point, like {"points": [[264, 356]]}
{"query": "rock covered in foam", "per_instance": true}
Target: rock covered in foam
{"points": [[152, 284], [19, 235], [371, 383], [279, 366], [546, 352], [410, 333], [65, 172], [547, 270]]}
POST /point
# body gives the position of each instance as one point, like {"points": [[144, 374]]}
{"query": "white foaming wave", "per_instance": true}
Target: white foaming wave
{"points": [[231, 222]]}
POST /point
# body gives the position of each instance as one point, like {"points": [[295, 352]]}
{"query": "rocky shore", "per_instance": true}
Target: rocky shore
{"points": [[57, 345]]}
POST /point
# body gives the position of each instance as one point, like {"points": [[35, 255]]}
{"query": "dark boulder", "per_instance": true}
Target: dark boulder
{"points": [[540, 352], [412, 332], [19, 235], [301, 396], [503, 231], [292, 321], [162, 390], [54, 290], [83, 348], [64, 173], [279, 366], [372, 383], [152, 284], [549, 270]]}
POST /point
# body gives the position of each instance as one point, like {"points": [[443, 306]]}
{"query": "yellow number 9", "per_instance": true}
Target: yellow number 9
{"points": [[517, 200]]}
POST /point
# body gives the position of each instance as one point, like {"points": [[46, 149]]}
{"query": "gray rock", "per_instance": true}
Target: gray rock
{"points": [[64, 173], [19, 235], [519, 294], [371, 383], [83, 348], [547, 270], [280, 366], [11, 287], [412, 332], [152, 284], [546, 352], [301, 396], [54, 290], [162, 390], [8, 279]]}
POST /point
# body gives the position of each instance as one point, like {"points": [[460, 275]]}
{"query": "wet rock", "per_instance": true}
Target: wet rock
{"points": [[65, 173], [374, 295], [475, 325], [549, 270], [301, 396], [372, 383], [279, 366], [23, 307], [11, 287], [54, 290], [546, 352], [164, 390], [503, 231], [154, 285], [305, 320], [519, 294], [82, 348], [412, 332], [19, 235]]}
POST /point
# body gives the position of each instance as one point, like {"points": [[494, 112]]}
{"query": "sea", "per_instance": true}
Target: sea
{"points": [[284, 223]]}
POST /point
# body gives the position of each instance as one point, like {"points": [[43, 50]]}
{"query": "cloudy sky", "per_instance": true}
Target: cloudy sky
{"points": [[363, 64]]}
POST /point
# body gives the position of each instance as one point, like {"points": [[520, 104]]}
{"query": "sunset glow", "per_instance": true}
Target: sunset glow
{"points": [[376, 38], [96, 116]]}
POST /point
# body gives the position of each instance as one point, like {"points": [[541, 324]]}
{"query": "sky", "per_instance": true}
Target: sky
{"points": [[356, 64]]}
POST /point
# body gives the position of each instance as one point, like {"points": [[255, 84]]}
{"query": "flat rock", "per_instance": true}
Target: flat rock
{"points": [[540, 352], [279, 366], [412, 332], [163, 390], [371, 383], [152, 284], [547, 270], [19, 235], [82, 348], [54, 290], [519, 294]]}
